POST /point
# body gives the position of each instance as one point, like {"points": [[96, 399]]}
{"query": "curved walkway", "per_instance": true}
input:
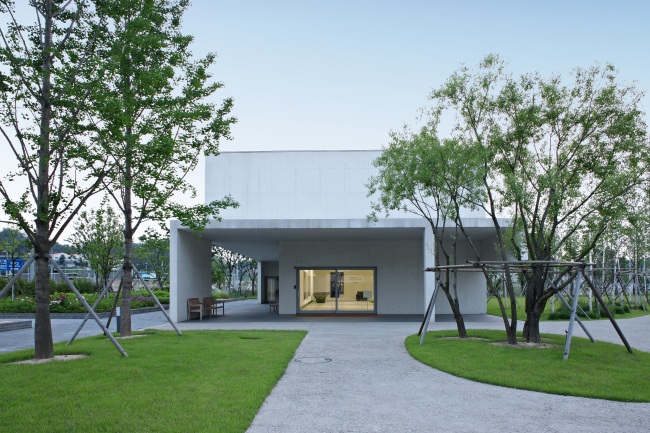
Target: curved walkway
{"points": [[372, 384]]}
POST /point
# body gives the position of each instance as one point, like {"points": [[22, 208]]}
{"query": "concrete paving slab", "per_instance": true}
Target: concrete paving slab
{"points": [[11, 325]]}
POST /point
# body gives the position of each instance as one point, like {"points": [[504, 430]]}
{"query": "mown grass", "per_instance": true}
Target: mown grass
{"points": [[493, 309], [201, 381], [597, 370]]}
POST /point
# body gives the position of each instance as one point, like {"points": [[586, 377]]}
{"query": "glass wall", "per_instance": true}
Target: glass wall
{"points": [[330, 290]]}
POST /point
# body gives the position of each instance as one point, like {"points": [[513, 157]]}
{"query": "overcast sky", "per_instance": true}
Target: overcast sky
{"points": [[337, 74]]}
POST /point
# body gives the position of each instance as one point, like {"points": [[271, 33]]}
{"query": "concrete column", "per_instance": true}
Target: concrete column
{"points": [[190, 271], [429, 262]]}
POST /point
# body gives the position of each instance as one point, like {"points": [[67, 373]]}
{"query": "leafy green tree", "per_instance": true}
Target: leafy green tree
{"points": [[229, 261], [154, 252], [249, 268], [48, 75], [562, 161], [15, 245], [155, 119], [218, 274], [421, 175], [99, 238]]}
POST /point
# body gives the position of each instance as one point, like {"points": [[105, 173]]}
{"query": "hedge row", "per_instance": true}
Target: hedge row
{"points": [[61, 302]]}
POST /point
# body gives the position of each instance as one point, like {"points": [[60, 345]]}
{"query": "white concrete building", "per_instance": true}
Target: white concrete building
{"points": [[303, 216]]}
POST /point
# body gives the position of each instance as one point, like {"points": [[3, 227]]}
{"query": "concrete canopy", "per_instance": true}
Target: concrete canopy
{"points": [[260, 239]]}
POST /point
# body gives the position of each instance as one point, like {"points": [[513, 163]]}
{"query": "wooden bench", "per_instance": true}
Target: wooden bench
{"points": [[215, 305], [194, 306]]}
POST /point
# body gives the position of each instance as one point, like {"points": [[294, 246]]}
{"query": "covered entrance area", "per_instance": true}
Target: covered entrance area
{"points": [[311, 267], [336, 290]]}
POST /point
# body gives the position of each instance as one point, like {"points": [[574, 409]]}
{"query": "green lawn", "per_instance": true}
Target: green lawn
{"points": [[493, 309], [201, 381], [597, 370]]}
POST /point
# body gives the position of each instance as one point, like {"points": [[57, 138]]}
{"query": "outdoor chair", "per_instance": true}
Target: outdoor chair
{"points": [[194, 306], [214, 305], [274, 306]]}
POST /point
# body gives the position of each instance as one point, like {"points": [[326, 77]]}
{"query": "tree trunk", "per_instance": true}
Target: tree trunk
{"points": [[511, 332], [534, 292], [127, 279], [127, 276], [43, 342], [455, 309], [531, 328]]}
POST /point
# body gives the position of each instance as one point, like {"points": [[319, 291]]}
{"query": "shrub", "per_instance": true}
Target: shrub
{"points": [[563, 313], [84, 285], [66, 302], [26, 287], [20, 305]]}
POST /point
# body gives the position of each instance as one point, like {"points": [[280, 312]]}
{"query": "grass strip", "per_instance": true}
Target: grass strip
{"points": [[597, 370], [493, 309], [201, 381]]}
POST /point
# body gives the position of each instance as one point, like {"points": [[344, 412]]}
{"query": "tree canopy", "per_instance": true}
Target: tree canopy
{"points": [[156, 119], [99, 238], [48, 76], [561, 160]]}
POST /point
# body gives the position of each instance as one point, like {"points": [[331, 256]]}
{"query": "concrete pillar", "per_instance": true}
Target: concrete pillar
{"points": [[190, 270], [429, 262]]}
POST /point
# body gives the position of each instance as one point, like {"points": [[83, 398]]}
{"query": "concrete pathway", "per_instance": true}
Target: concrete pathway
{"points": [[369, 383], [63, 329], [355, 376]]}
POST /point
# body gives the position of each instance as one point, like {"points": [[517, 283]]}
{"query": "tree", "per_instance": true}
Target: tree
{"points": [[249, 268], [562, 161], [155, 119], [229, 261], [419, 174], [154, 251], [48, 75], [218, 274], [15, 245], [98, 237]]}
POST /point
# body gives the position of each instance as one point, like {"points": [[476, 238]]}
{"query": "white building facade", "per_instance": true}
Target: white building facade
{"points": [[303, 216]]}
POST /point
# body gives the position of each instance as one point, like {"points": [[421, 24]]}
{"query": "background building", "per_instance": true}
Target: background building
{"points": [[303, 216]]}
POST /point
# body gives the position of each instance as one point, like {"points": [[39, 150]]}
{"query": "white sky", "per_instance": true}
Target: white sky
{"points": [[334, 74]]}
